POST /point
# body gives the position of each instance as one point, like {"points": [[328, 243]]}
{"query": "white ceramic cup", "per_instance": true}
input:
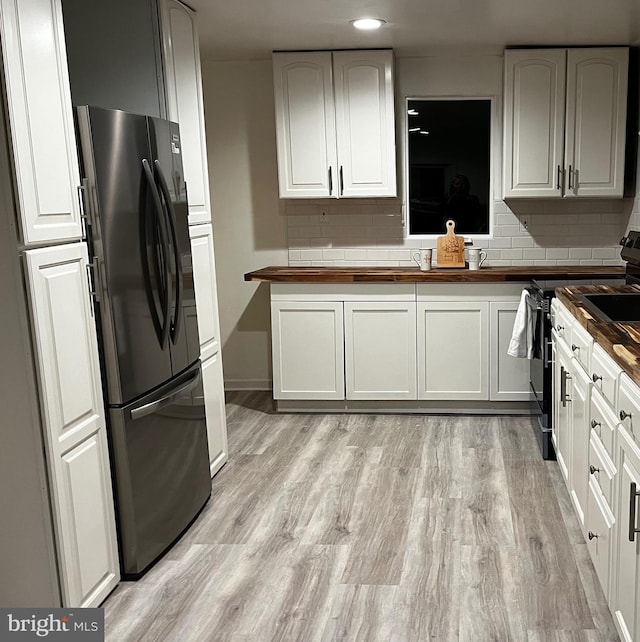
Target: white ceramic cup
{"points": [[423, 259], [476, 258]]}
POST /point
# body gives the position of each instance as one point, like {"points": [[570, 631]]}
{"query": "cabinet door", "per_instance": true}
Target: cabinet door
{"points": [[40, 120], [308, 350], [204, 283], [184, 101], [73, 414], [534, 122], [305, 124], [509, 375], [365, 123], [579, 468], [453, 350], [598, 533], [596, 121], [380, 350], [214, 403], [562, 389], [625, 593]]}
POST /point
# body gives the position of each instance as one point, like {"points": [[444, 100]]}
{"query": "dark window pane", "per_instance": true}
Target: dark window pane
{"points": [[449, 165]]}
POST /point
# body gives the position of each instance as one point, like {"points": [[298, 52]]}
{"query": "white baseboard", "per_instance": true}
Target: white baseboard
{"points": [[248, 384]]}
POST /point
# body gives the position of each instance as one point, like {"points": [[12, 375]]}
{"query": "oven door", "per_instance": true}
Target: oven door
{"points": [[539, 363]]}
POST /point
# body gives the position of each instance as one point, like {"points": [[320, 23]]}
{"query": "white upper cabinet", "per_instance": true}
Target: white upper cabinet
{"points": [[184, 101], [40, 120], [564, 122], [335, 124], [596, 121]]}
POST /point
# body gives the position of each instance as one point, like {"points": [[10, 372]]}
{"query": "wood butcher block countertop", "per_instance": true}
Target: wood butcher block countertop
{"points": [[621, 341], [284, 274]]}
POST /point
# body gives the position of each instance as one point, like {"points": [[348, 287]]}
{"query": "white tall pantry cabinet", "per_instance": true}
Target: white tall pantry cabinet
{"points": [[184, 102], [65, 352]]}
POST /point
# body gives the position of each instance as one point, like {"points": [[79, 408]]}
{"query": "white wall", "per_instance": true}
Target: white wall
{"points": [[249, 232]]}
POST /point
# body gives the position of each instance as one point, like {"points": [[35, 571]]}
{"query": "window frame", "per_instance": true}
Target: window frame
{"points": [[494, 141]]}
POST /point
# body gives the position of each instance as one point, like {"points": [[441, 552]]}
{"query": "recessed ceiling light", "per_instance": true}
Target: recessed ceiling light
{"points": [[424, 133], [414, 129], [368, 24], [413, 112]]}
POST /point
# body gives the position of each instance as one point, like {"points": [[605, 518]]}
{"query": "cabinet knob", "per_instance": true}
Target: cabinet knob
{"points": [[574, 347], [624, 415], [592, 535], [559, 328], [595, 423], [595, 378], [593, 469]]}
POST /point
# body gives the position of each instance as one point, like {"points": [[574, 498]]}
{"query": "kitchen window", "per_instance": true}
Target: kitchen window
{"points": [[448, 174]]}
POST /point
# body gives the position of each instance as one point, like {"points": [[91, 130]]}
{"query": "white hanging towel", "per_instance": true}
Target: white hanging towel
{"points": [[521, 344]]}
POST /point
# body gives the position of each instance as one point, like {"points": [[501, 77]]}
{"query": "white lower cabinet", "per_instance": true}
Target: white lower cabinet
{"points": [[453, 350], [508, 376], [74, 422], [206, 300], [380, 350], [214, 403], [562, 406], [625, 590], [579, 466], [308, 349], [598, 531]]}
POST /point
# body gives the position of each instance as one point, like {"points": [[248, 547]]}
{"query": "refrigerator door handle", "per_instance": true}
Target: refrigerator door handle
{"points": [[154, 406], [171, 218], [162, 329]]}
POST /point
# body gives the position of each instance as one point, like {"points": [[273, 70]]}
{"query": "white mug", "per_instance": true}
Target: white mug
{"points": [[423, 259], [476, 258]]}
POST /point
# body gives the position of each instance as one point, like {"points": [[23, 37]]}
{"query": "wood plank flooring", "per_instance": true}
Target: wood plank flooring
{"points": [[401, 528]]}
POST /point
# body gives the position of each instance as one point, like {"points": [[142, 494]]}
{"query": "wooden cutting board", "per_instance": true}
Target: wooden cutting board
{"points": [[450, 248]]}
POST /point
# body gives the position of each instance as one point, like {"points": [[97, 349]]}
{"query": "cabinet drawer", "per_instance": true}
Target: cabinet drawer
{"points": [[598, 533], [563, 321], [604, 374], [603, 421], [628, 406], [581, 344], [601, 468]]}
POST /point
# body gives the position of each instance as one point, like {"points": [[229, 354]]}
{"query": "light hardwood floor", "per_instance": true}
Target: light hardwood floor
{"points": [[400, 528]]}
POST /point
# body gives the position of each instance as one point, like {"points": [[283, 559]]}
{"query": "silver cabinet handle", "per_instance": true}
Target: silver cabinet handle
{"points": [[595, 423], [330, 182], [564, 375], [558, 186], [624, 415], [341, 182], [591, 535], [595, 378], [570, 173], [574, 347], [633, 495], [593, 470]]}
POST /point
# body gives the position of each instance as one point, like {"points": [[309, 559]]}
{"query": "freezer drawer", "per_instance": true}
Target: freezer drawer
{"points": [[161, 464]]}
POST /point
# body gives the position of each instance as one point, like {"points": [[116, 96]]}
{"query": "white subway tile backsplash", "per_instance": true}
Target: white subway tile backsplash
{"points": [[557, 253], [535, 253], [580, 253], [370, 232]]}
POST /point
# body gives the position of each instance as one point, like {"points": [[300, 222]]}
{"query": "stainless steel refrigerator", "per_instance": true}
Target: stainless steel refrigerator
{"points": [[136, 206]]}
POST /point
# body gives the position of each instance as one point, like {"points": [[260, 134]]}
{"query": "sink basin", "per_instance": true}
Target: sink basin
{"points": [[614, 308]]}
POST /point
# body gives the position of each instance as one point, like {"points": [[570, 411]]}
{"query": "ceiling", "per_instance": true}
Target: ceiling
{"points": [[252, 29]]}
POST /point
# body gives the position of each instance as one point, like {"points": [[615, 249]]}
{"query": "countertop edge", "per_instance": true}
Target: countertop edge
{"points": [[373, 274]]}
